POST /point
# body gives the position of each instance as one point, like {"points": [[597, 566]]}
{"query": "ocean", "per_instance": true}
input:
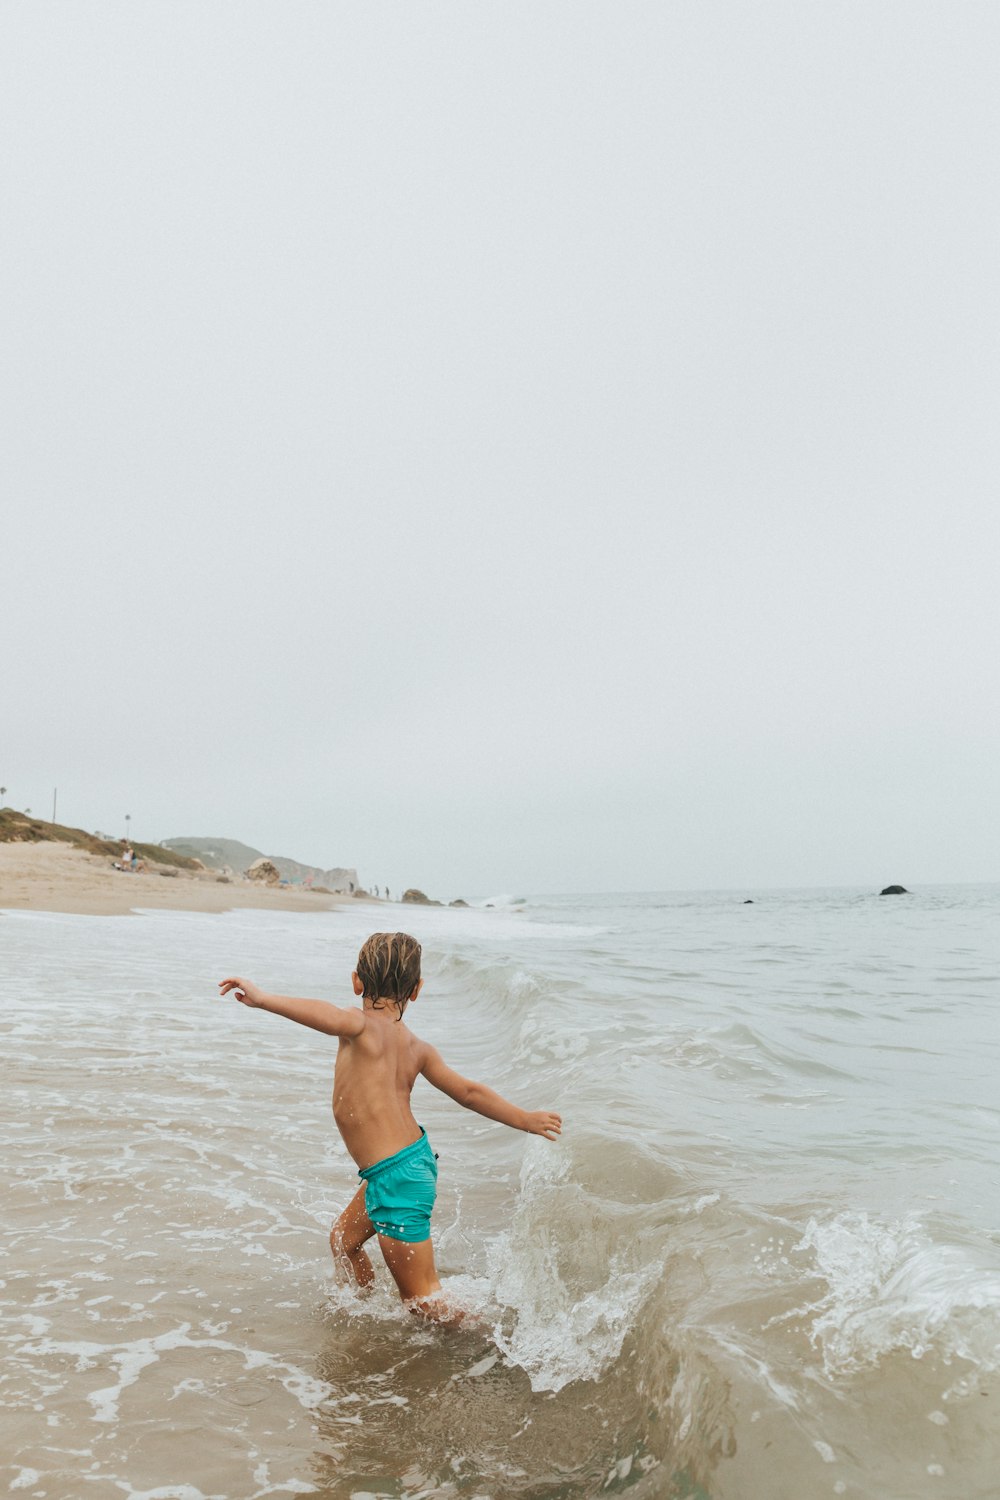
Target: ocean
{"points": [[762, 1262]]}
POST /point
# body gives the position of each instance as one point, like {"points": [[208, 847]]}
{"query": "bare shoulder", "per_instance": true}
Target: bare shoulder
{"points": [[418, 1048], [356, 1028]]}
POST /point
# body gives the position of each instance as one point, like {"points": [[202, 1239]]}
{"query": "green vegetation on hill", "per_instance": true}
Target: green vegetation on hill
{"points": [[21, 828]]}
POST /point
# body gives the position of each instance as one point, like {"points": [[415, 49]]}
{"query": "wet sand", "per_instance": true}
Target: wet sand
{"points": [[52, 877]]}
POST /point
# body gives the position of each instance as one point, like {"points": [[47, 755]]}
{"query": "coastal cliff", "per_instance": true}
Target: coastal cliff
{"points": [[230, 855]]}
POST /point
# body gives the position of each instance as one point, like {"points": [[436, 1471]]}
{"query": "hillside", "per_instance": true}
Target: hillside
{"points": [[232, 855], [216, 854], [22, 828]]}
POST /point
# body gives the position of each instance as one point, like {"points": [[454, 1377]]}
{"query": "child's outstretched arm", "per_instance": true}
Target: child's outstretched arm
{"points": [[318, 1014], [486, 1101]]}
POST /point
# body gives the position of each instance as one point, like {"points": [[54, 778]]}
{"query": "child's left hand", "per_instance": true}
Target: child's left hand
{"points": [[247, 993]]}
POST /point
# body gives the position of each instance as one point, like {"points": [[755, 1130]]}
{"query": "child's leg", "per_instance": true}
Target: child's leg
{"points": [[415, 1275], [348, 1235]]}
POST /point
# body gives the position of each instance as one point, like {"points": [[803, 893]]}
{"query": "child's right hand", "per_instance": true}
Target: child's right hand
{"points": [[247, 993], [544, 1122]]}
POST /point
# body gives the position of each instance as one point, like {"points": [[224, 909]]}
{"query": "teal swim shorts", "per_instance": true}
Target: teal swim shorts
{"points": [[401, 1191]]}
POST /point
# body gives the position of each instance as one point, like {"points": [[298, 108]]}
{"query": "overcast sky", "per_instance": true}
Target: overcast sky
{"points": [[508, 446]]}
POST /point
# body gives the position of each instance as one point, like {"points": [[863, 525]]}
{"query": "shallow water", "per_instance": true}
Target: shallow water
{"points": [[763, 1261]]}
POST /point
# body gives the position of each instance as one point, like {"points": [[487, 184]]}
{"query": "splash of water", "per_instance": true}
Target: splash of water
{"points": [[546, 1327], [890, 1286]]}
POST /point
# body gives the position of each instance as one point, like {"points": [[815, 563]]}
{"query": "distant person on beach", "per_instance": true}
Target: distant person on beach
{"points": [[378, 1062]]}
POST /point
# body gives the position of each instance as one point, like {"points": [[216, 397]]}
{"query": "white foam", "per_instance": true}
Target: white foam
{"points": [[555, 1335], [131, 1364], [166, 1492], [290, 1487], [707, 1200], [133, 1357], [890, 1286]]}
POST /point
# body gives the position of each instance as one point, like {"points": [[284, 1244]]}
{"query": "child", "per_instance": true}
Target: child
{"points": [[378, 1060]]}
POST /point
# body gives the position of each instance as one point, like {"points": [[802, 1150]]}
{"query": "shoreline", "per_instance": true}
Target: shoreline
{"points": [[56, 878]]}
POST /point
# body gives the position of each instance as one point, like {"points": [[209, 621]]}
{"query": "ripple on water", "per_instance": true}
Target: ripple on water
{"points": [[695, 1287]]}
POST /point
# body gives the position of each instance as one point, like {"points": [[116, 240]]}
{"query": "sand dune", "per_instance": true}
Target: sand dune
{"points": [[53, 877]]}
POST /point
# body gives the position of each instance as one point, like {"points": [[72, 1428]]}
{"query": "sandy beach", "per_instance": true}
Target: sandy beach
{"points": [[53, 877]]}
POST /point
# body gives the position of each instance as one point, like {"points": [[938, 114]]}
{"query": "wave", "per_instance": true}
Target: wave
{"points": [[613, 1248], [890, 1286], [554, 1326]]}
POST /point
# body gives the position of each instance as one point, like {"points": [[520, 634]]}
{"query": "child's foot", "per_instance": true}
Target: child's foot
{"points": [[438, 1309]]}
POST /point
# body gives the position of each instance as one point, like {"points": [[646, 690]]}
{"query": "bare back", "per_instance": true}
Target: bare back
{"points": [[372, 1083]]}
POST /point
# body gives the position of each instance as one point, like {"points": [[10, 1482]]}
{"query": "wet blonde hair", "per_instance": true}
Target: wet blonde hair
{"points": [[389, 968]]}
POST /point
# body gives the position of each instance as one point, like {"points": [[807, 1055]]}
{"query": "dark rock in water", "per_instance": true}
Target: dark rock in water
{"points": [[459, 902], [748, 901], [417, 898], [894, 890]]}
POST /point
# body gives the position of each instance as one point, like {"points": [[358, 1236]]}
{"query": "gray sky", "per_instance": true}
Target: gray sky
{"points": [[516, 446]]}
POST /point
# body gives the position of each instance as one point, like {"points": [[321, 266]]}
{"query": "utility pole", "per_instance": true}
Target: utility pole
{"points": [[55, 794]]}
